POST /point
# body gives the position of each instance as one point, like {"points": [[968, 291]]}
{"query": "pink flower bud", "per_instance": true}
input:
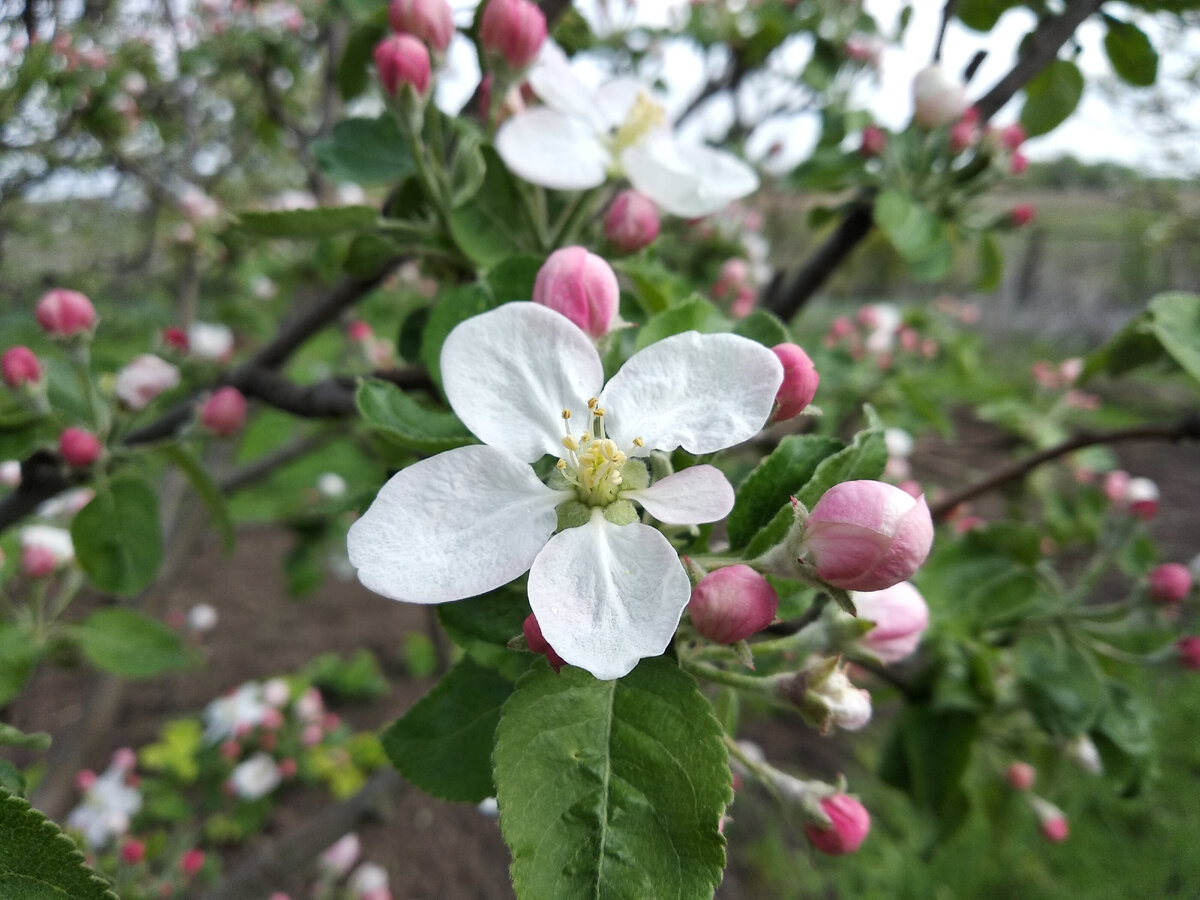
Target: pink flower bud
{"points": [[1018, 164], [1116, 486], [175, 338], [64, 313], [631, 222], [192, 861], [84, 779], [1170, 583], [1021, 215], [133, 851], [144, 379], [514, 30], [20, 367], [224, 412], [432, 21], [874, 141], [538, 643], [1021, 775], [581, 286], [1012, 137], [402, 59], [963, 134], [124, 758], [867, 535], [850, 823], [1189, 652], [800, 380], [359, 331], [78, 447], [1142, 497], [938, 99], [730, 604], [734, 275], [900, 616], [744, 302], [1052, 819]]}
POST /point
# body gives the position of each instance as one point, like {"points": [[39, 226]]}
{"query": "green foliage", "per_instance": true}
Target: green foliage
{"points": [[982, 15], [18, 656], [763, 326], [309, 224], [485, 225], [1168, 327], [117, 536], [405, 421], [206, 489], [175, 751], [484, 625], [14, 737], [1133, 57], [357, 676], [631, 781], [365, 151], [455, 306], [131, 644], [693, 314], [1051, 96], [918, 235]]}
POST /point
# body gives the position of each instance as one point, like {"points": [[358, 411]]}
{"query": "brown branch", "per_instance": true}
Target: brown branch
{"points": [[1186, 429]]}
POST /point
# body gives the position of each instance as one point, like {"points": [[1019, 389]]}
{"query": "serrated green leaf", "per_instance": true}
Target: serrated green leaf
{"points": [[39, 862], [365, 151], [484, 625], [386, 407], [15, 737], [1133, 57], [612, 789], [118, 537], [132, 645], [693, 314], [774, 481], [443, 744], [1060, 687], [306, 224], [772, 533], [1051, 96], [513, 279], [1175, 320], [764, 327], [865, 457], [453, 307], [206, 488], [487, 227]]}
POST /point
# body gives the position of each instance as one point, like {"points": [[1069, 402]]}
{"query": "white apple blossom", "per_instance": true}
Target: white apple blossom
{"points": [[143, 379], [235, 713], [607, 590], [256, 777], [56, 540], [108, 806], [580, 138], [210, 341]]}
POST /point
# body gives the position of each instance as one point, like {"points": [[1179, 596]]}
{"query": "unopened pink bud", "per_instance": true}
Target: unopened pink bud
{"points": [[1170, 583], [734, 274], [963, 134], [432, 21], [84, 779], [868, 535], [65, 313], [124, 758], [1142, 497], [1021, 215], [744, 302], [850, 823], [402, 59], [900, 615], [360, 331], [224, 412], [20, 366], [732, 603], [175, 338], [938, 99], [78, 447], [1056, 829], [874, 141], [514, 30], [133, 851], [1021, 775], [341, 856], [1189, 652], [800, 380], [538, 643], [146, 376], [192, 861], [631, 222], [1012, 137], [1116, 486], [581, 286]]}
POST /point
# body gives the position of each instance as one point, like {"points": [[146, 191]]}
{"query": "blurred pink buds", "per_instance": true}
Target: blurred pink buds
{"points": [[1142, 497], [850, 823], [874, 141], [37, 561], [20, 367], [732, 603], [581, 286], [1052, 819], [78, 447], [133, 851], [1021, 775], [514, 30], [1189, 652], [1018, 164], [538, 644], [900, 616], [1170, 582], [938, 99], [1021, 215], [143, 379], [631, 222], [867, 535], [64, 313], [1012, 137], [800, 380], [402, 59], [964, 133], [432, 21], [224, 412], [192, 861]]}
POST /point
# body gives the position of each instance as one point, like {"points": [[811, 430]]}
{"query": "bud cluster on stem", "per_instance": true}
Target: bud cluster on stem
{"points": [[825, 696]]}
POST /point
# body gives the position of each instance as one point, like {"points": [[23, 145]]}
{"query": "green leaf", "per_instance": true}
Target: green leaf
{"points": [[118, 537], [927, 758], [484, 625], [693, 314], [1051, 96], [764, 327], [365, 151], [15, 737], [981, 15], [353, 73], [653, 284], [612, 789], [452, 307], [990, 262], [865, 457], [918, 235], [1060, 687], [368, 254], [1125, 737], [443, 744], [132, 645], [11, 779], [206, 488], [303, 224], [774, 481], [487, 227], [39, 862], [1133, 57], [1175, 321], [387, 408], [18, 656], [513, 279]]}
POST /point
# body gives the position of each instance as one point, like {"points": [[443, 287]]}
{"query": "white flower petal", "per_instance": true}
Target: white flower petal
{"points": [[691, 497], [557, 85], [547, 147], [702, 392], [608, 595], [688, 180], [453, 526], [615, 99], [510, 373]]}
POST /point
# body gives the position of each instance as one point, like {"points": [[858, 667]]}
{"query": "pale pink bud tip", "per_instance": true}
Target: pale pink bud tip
{"points": [[192, 862], [1170, 583], [1021, 215], [78, 447], [867, 535], [538, 643], [850, 823], [432, 21], [874, 141], [513, 29], [631, 222], [65, 313], [20, 367], [900, 615], [732, 603], [1021, 775], [581, 286], [938, 99], [224, 412], [402, 59], [1189, 652], [1056, 829], [800, 380]]}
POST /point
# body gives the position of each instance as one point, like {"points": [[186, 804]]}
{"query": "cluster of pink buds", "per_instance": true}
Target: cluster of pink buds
{"points": [[735, 282], [966, 132], [378, 353], [1137, 496], [581, 286], [1063, 377], [878, 331]]}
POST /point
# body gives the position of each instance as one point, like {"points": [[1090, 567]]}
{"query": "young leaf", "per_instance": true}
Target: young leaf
{"points": [[764, 327], [612, 788], [322, 222], [1051, 96], [693, 314], [488, 226], [206, 489], [452, 308], [443, 744], [118, 537], [365, 151], [1133, 57], [386, 407], [15, 737], [864, 458], [18, 656], [132, 645], [1176, 324]]}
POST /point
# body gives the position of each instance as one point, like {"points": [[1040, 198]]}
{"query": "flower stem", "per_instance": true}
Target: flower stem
{"points": [[729, 679]]}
